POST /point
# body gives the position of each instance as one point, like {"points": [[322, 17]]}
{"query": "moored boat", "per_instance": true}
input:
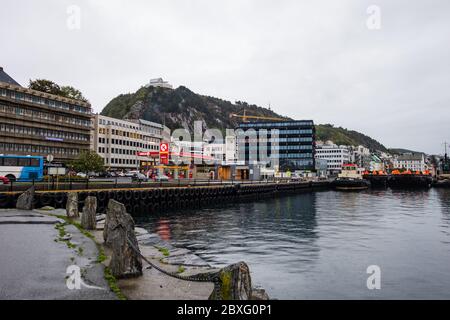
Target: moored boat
{"points": [[410, 180], [378, 179], [350, 179]]}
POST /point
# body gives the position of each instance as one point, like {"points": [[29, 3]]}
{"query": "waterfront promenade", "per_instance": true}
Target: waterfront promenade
{"points": [[34, 261]]}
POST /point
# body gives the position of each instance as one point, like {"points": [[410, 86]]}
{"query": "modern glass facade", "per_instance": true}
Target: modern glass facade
{"points": [[293, 145]]}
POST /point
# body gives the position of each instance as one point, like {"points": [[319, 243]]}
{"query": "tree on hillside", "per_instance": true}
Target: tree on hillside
{"points": [[51, 87], [88, 161]]}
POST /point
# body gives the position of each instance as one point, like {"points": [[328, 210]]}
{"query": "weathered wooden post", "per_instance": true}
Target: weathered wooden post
{"points": [[88, 220], [72, 205], [119, 234]]}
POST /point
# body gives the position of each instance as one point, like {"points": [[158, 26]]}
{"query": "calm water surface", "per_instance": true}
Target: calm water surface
{"points": [[319, 245]]}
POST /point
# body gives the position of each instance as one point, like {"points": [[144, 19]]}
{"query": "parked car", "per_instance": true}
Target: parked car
{"points": [[131, 173], [140, 177], [81, 174], [4, 180], [161, 178]]}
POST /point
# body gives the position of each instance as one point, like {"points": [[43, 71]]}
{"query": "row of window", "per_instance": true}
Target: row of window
{"points": [[116, 151], [132, 126], [276, 124], [43, 101], [278, 147], [19, 162], [332, 151], [128, 143], [42, 150], [121, 161], [275, 140], [117, 124], [46, 133], [34, 114], [295, 155]]}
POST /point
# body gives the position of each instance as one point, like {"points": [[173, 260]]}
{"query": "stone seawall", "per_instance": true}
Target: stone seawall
{"points": [[142, 202]]}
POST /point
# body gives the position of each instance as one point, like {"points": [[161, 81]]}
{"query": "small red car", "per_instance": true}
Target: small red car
{"points": [[4, 180]]}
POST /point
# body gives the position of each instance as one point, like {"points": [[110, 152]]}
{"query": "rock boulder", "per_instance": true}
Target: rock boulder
{"points": [[119, 234], [25, 200], [72, 205], [88, 216]]}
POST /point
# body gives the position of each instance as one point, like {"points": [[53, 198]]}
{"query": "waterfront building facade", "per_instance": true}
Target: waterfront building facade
{"points": [[361, 156], [293, 146], [413, 162], [40, 124], [336, 156], [120, 142]]}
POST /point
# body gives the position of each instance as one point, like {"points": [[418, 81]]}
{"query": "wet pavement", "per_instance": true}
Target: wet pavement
{"points": [[34, 261]]}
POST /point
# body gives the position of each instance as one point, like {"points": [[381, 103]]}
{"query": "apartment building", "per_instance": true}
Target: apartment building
{"points": [[125, 144], [38, 123], [335, 156], [413, 162]]}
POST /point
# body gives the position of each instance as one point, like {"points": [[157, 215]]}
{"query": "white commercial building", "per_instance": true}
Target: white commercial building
{"points": [[335, 156], [413, 162], [118, 142]]}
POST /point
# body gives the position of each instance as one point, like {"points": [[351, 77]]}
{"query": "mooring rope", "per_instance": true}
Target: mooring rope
{"points": [[213, 277]]}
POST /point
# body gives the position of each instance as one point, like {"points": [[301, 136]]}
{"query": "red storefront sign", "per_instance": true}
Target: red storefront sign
{"points": [[164, 153]]}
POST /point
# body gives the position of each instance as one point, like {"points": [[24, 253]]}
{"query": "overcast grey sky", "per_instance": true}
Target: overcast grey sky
{"points": [[309, 59]]}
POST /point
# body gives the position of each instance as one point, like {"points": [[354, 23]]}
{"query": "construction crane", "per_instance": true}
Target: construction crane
{"points": [[245, 117]]}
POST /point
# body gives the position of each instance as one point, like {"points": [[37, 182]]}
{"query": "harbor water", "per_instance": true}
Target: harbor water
{"points": [[319, 245]]}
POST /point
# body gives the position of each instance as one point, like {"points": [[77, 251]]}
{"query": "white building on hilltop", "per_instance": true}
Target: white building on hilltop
{"points": [[159, 82]]}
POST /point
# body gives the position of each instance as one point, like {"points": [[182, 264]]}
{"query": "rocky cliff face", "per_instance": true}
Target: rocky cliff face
{"points": [[179, 108]]}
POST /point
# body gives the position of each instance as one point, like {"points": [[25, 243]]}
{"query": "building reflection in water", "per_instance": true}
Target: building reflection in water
{"points": [[163, 229]]}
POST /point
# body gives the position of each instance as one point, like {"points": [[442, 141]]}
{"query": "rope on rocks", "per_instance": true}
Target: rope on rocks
{"points": [[213, 277]]}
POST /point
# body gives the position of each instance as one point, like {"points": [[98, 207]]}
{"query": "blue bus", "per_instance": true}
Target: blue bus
{"points": [[22, 168]]}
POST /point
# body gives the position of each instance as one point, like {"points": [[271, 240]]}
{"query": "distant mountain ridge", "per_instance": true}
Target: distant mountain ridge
{"points": [[180, 107]]}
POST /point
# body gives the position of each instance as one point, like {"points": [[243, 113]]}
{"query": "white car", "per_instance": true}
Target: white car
{"points": [[81, 174], [162, 178], [131, 173], [140, 177]]}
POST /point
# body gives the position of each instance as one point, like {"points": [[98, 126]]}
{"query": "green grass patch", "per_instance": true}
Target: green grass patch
{"points": [[112, 282], [164, 251], [181, 269], [101, 254]]}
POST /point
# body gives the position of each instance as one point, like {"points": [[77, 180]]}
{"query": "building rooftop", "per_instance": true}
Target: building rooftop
{"points": [[4, 77], [411, 157]]}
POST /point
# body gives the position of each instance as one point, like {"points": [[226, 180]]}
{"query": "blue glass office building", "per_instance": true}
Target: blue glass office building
{"points": [[294, 146]]}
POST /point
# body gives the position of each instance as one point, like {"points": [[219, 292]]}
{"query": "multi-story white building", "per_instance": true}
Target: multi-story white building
{"points": [[361, 156], [335, 156], [118, 142], [216, 151], [413, 162], [230, 150], [159, 82]]}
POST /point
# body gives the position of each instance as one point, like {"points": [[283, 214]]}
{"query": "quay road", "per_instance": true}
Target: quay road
{"points": [[33, 263], [120, 182]]}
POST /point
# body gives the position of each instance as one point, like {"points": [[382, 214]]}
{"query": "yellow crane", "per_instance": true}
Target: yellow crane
{"points": [[245, 117]]}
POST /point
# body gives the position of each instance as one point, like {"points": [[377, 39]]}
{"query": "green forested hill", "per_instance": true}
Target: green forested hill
{"points": [[181, 107], [343, 136]]}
